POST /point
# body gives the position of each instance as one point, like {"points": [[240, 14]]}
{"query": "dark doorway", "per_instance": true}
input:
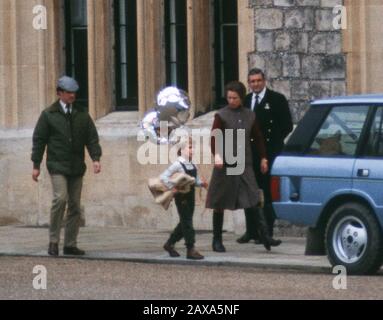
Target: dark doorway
{"points": [[176, 44], [76, 25], [126, 55], [226, 46]]}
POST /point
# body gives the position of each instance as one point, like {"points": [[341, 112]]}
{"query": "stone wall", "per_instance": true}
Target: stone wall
{"points": [[299, 49]]}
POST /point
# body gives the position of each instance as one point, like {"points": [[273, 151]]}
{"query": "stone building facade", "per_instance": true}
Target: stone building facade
{"points": [[302, 53], [124, 51]]}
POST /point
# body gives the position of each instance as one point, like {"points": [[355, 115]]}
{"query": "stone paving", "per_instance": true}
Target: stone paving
{"points": [[122, 244]]}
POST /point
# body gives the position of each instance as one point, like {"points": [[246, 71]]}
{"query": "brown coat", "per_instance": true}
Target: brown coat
{"points": [[234, 192]]}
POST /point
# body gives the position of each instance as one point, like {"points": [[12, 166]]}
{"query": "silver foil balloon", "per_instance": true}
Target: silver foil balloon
{"points": [[172, 111], [151, 125], [173, 106]]}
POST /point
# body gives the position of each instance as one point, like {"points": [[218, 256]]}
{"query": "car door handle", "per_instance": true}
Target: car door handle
{"points": [[363, 173], [294, 197]]}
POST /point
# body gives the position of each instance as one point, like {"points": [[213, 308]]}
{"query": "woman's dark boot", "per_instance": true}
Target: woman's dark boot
{"points": [[251, 232], [263, 230], [217, 232], [269, 214]]}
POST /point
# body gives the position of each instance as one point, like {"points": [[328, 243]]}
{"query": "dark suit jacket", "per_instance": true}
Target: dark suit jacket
{"points": [[274, 117]]}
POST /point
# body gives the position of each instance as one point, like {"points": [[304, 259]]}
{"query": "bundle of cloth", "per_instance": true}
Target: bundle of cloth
{"points": [[163, 195]]}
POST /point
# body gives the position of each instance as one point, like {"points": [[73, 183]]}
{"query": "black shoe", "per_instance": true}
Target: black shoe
{"points": [[73, 251], [270, 242], [266, 244], [53, 249], [244, 239], [170, 249], [274, 242], [218, 246]]}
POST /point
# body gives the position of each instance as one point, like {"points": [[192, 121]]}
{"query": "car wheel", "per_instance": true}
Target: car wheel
{"points": [[354, 239]]}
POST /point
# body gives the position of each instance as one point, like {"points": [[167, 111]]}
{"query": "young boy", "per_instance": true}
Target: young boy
{"points": [[185, 202]]}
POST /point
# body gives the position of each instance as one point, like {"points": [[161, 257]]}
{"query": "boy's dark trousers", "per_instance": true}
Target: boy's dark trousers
{"points": [[185, 229]]}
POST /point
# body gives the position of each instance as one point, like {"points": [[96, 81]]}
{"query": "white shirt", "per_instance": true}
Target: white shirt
{"points": [[63, 106], [261, 96], [176, 167]]}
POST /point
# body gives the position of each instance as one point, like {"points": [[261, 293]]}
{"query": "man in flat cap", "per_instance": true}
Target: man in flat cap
{"points": [[65, 129]]}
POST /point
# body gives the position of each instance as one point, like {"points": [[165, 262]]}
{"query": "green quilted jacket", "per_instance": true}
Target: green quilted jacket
{"points": [[65, 138]]}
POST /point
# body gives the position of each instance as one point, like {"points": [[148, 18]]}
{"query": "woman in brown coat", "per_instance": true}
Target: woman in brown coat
{"points": [[233, 185]]}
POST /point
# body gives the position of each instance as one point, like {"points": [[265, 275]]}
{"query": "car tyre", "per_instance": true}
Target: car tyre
{"points": [[354, 239]]}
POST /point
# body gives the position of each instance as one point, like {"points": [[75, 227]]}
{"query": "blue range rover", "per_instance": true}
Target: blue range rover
{"points": [[330, 178]]}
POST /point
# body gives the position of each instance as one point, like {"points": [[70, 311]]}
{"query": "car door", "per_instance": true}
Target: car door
{"points": [[368, 169], [324, 169]]}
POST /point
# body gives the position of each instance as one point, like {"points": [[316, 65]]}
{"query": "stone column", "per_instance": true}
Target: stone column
{"points": [[29, 60], [100, 53], [8, 61], [151, 51], [199, 55], [354, 45], [246, 38], [364, 46]]}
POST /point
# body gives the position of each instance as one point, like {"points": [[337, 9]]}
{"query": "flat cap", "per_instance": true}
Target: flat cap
{"points": [[68, 84]]}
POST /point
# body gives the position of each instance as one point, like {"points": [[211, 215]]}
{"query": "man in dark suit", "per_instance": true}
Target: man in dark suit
{"points": [[274, 117]]}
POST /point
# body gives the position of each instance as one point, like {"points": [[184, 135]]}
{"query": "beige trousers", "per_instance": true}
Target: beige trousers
{"points": [[66, 191]]}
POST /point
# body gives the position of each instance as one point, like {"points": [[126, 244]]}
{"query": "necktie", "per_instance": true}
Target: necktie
{"points": [[68, 109], [256, 103]]}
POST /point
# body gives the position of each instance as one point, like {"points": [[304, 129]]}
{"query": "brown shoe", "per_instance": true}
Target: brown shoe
{"points": [[170, 249], [53, 249], [193, 254]]}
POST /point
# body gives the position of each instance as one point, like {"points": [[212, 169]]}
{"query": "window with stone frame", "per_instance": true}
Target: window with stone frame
{"points": [[176, 44], [226, 46], [76, 23], [126, 55]]}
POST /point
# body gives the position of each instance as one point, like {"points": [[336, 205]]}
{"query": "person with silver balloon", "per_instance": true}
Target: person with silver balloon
{"points": [[172, 111], [185, 202]]}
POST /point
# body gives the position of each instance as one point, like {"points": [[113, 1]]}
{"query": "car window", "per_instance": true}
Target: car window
{"points": [[340, 132], [375, 139], [300, 139]]}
